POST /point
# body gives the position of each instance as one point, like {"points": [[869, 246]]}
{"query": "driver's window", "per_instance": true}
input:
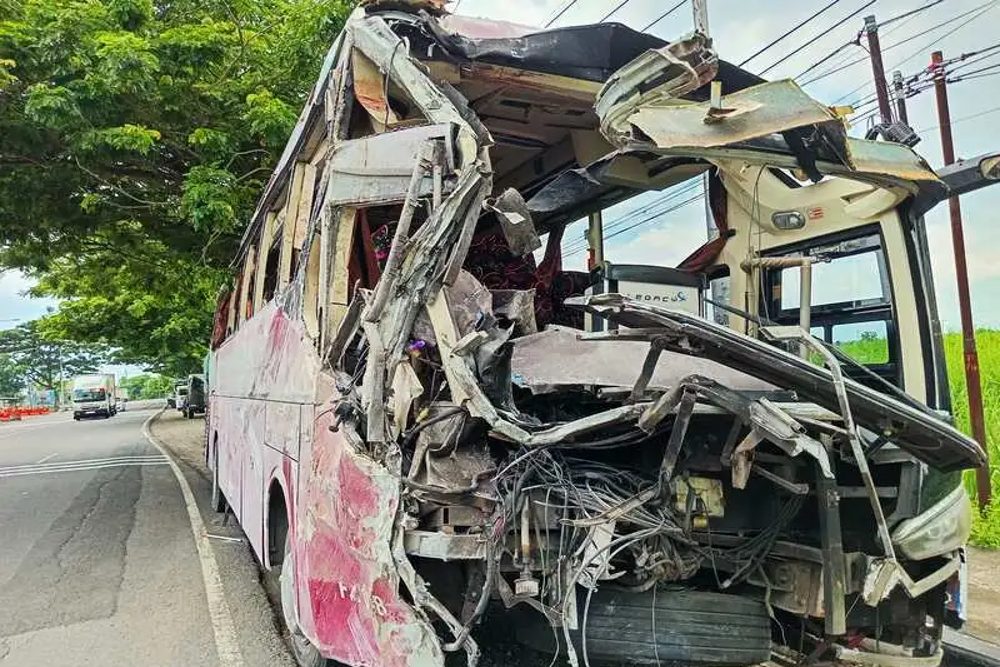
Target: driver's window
{"points": [[851, 301]]}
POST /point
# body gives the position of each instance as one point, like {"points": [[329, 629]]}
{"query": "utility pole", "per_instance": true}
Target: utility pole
{"points": [[972, 381], [900, 94], [878, 69], [595, 240]]}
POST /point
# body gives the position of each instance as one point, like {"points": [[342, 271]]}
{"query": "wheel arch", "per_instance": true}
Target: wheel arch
{"points": [[277, 521]]}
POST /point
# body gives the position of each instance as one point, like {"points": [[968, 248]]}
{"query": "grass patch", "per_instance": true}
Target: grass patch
{"points": [[870, 349], [986, 524]]}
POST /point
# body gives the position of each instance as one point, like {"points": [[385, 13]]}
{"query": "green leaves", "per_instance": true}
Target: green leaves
{"points": [[212, 144], [36, 353], [208, 199], [135, 138], [126, 62], [270, 119], [7, 76], [52, 106]]}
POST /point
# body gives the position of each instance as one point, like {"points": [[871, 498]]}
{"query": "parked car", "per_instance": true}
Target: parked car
{"points": [[180, 394], [193, 401]]}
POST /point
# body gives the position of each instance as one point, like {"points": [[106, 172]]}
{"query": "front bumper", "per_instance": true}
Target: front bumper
{"points": [[91, 412], [883, 575]]}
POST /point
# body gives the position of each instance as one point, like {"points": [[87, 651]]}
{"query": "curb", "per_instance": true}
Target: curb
{"points": [[226, 644]]}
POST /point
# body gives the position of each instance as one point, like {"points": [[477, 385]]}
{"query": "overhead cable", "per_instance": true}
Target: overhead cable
{"points": [[819, 36], [984, 7], [560, 13], [665, 15], [908, 14], [981, 9], [614, 11], [676, 207], [789, 32], [648, 212], [961, 120], [825, 58]]}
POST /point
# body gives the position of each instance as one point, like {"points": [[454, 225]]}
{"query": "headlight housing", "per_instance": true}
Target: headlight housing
{"points": [[944, 527]]}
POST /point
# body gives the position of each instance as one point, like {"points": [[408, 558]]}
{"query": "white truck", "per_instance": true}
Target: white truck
{"points": [[94, 395]]}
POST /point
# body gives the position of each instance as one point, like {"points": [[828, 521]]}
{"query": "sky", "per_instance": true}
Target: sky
{"points": [[739, 28]]}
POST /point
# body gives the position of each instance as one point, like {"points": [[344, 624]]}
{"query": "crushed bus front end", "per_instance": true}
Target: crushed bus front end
{"points": [[494, 441]]}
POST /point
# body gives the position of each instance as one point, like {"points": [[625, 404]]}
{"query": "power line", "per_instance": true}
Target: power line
{"points": [[826, 58], [985, 6], [649, 212], [614, 11], [665, 15], [789, 32], [961, 120], [560, 13], [646, 212], [676, 207], [908, 14], [916, 85], [981, 9], [819, 36], [977, 76]]}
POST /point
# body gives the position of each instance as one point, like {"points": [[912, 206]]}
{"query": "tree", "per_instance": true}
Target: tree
{"points": [[147, 385], [135, 136], [11, 379], [40, 360]]}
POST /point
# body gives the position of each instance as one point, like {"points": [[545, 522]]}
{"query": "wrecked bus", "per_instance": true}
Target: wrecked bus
{"points": [[425, 432]]}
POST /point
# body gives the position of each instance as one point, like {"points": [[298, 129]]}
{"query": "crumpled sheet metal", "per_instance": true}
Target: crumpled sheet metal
{"points": [[926, 437], [679, 68], [347, 569], [770, 108], [557, 358]]}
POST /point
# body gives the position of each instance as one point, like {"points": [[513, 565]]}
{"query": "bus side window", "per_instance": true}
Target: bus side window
{"points": [[851, 301], [267, 269], [234, 295], [247, 288]]}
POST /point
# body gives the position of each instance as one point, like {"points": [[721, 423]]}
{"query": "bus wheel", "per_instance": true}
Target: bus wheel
{"points": [[306, 655], [218, 500]]}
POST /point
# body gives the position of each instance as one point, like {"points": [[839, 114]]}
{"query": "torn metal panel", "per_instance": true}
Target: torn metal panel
{"points": [[924, 436], [378, 169], [658, 75], [443, 547], [370, 91], [770, 108], [379, 43], [348, 573], [550, 361], [515, 222]]}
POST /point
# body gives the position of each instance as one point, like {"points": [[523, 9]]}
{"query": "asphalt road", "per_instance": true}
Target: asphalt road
{"points": [[98, 560]]}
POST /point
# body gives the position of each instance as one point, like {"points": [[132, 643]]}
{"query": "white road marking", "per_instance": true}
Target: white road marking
{"points": [[226, 645], [85, 464], [50, 456], [52, 471]]}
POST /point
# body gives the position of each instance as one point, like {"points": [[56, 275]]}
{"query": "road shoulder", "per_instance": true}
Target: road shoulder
{"points": [[257, 630]]}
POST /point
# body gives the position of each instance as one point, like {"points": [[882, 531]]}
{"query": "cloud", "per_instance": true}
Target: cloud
{"points": [[15, 305]]}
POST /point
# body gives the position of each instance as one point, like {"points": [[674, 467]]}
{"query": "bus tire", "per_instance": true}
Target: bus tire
{"points": [[218, 499], [306, 655]]}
